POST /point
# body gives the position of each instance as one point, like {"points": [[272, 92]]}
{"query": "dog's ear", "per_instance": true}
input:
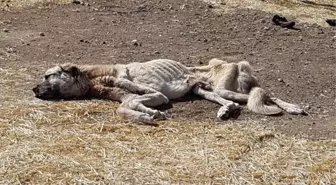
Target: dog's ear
{"points": [[70, 68]]}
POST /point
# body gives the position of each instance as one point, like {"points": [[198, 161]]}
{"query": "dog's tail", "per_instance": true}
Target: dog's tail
{"points": [[257, 103]]}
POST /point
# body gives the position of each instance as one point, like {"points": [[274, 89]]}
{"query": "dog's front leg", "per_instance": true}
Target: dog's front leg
{"points": [[143, 103], [132, 106], [133, 87], [110, 93]]}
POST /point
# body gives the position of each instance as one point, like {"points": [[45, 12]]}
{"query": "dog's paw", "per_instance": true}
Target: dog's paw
{"points": [[145, 118], [231, 110], [160, 115], [296, 110]]}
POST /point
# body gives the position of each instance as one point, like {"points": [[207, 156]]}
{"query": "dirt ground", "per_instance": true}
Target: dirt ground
{"points": [[297, 65]]}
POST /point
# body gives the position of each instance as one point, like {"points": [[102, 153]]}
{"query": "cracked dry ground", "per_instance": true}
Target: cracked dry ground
{"points": [[296, 65]]}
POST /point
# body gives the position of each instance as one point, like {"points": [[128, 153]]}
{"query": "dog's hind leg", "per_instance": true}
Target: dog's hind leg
{"points": [[228, 84], [228, 109], [288, 107]]}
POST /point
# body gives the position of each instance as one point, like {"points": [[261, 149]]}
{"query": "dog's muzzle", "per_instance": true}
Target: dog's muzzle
{"points": [[43, 92]]}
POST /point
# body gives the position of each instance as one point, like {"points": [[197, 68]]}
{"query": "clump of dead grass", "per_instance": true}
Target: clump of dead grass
{"points": [[85, 142], [312, 11]]}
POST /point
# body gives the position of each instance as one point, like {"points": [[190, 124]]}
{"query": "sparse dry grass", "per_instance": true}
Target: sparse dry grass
{"points": [[84, 142], [310, 11], [10, 4]]}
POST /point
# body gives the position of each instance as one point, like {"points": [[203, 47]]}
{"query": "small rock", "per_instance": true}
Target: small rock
{"points": [[325, 112], [42, 34], [7, 22], [281, 80], [156, 52], [77, 2], [184, 6], [6, 30], [266, 28], [135, 42], [307, 107]]}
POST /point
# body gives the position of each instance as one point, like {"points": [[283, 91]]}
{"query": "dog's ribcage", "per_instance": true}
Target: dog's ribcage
{"points": [[166, 76]]}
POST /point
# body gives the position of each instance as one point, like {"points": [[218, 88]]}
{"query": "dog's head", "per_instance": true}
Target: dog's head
{"points": [[62, 82]]}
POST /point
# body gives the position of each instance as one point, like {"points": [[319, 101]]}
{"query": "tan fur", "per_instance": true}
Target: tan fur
{"points": [[142, 85], [235, 81], [72, 81]]}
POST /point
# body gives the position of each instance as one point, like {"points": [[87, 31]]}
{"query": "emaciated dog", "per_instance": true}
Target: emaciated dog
{"points": [[140, 86]]}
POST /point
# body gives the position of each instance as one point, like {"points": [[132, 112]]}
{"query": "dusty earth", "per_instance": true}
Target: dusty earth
{"points": [[297, 65]]}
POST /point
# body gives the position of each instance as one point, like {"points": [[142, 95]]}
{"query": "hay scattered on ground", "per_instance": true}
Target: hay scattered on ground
{"points": [[85, 142], [309, 11]]}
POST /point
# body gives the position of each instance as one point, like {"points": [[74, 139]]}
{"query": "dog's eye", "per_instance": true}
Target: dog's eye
{"points": [[46, 77]]}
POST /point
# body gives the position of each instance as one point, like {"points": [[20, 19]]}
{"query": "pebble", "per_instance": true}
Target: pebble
{"points": [[6, 30], [281, 80], [79, 2], [266, 28], [7, 22], [307, 107], [135, 43], [184, 6], [42, 34], [333, 39]]}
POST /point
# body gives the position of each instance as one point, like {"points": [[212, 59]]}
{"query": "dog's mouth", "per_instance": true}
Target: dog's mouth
{"points": [[45, 92]]}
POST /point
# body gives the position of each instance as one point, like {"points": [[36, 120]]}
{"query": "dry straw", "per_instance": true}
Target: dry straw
{"points": [[11, 4], [309, 11], [85, 142]]}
